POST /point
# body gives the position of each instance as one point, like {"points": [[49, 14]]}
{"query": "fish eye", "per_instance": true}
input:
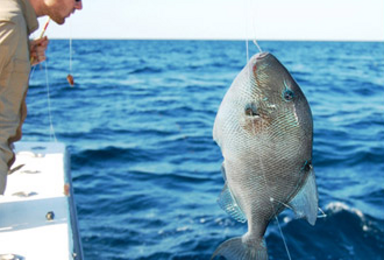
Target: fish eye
{"points": [[251, 110], [307, 166], [288, 94]]}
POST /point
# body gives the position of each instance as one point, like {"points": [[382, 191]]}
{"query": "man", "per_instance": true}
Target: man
{"points": [[18, 19]]}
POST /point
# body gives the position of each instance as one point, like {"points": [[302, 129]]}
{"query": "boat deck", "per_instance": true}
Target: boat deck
{"points": [[37, 212]]}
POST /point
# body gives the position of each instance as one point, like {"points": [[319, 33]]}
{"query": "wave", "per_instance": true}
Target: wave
{"points": [[110, 154], [345, 233], [146, 70]]}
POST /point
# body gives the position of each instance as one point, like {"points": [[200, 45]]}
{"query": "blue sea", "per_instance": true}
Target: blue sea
{"points": [[146, 172]]}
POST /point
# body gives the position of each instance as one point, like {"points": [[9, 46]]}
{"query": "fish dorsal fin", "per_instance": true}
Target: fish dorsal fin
{"points": [[305, 203], [228, 203]]}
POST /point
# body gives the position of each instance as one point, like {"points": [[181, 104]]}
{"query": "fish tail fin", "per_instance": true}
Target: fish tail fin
{"points": [[238, 248]]}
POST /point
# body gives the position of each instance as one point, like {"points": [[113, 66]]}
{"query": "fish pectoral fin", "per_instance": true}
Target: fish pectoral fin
{"points": [[228, 203], [305, 203], [223, 172]]}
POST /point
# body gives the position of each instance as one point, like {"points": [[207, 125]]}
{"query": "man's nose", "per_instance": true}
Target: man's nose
{"points": [[79, 5]]}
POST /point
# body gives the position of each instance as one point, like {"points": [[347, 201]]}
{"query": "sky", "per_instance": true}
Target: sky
{"points": [[335, 20]]}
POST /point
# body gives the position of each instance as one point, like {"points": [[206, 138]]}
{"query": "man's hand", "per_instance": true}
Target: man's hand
{"points": [[37, 50]]}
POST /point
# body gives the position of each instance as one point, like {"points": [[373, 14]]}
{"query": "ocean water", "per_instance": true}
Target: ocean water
{"points": [[146, 172]]}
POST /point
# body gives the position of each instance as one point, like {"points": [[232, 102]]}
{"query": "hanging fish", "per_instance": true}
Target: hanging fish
{"points": [[264, 128], [70, 80]]}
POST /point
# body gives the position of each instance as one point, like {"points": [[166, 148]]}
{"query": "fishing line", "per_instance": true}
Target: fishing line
{"points": [[70, 55], [254, 31], [282, 235], [32, 72], [257, 45], [246, 5], [251, 7], [247, 39], [51, 128], [249, 76], [70, 47], [70, 79], [271, 200], [323, 214]]}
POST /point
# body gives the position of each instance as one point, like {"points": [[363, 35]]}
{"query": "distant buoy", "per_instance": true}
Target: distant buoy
{"points": [[70, 80]]}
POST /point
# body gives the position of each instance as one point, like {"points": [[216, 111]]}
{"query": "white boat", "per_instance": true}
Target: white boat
{"points": [[38, 217]]}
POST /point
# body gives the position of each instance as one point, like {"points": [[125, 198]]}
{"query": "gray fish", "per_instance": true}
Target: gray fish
{"points": [[264, 128]]}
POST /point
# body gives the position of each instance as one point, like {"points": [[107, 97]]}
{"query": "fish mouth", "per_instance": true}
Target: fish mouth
{"points": [[261, 55], [258, 60]]}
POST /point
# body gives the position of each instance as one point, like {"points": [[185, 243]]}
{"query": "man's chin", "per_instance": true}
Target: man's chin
{"points": [[59, 21]]}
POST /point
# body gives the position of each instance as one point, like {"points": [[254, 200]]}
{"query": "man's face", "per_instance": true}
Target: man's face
{"points": [[59, 10]]}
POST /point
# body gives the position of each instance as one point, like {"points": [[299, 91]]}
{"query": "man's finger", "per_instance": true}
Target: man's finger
{"points": [[41, 41]]}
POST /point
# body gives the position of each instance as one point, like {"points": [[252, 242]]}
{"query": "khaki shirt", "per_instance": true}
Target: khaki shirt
{"points": [[17, 21]]}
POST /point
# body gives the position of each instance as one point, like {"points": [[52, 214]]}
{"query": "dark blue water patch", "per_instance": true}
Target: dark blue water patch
{"points": [[351, 234], [168, 180], [372, 197], [350, 157], [110, 155], [371, 156], [146, 70]]}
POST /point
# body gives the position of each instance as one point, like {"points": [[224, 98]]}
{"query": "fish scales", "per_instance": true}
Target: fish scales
{"points": [[264, 129]]}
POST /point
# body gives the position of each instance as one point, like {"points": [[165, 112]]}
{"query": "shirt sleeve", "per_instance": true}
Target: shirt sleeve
{"points": [[8, 38]]}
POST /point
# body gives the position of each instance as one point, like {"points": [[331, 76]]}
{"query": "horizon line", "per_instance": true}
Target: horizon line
{"points": [[221, 39]]}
